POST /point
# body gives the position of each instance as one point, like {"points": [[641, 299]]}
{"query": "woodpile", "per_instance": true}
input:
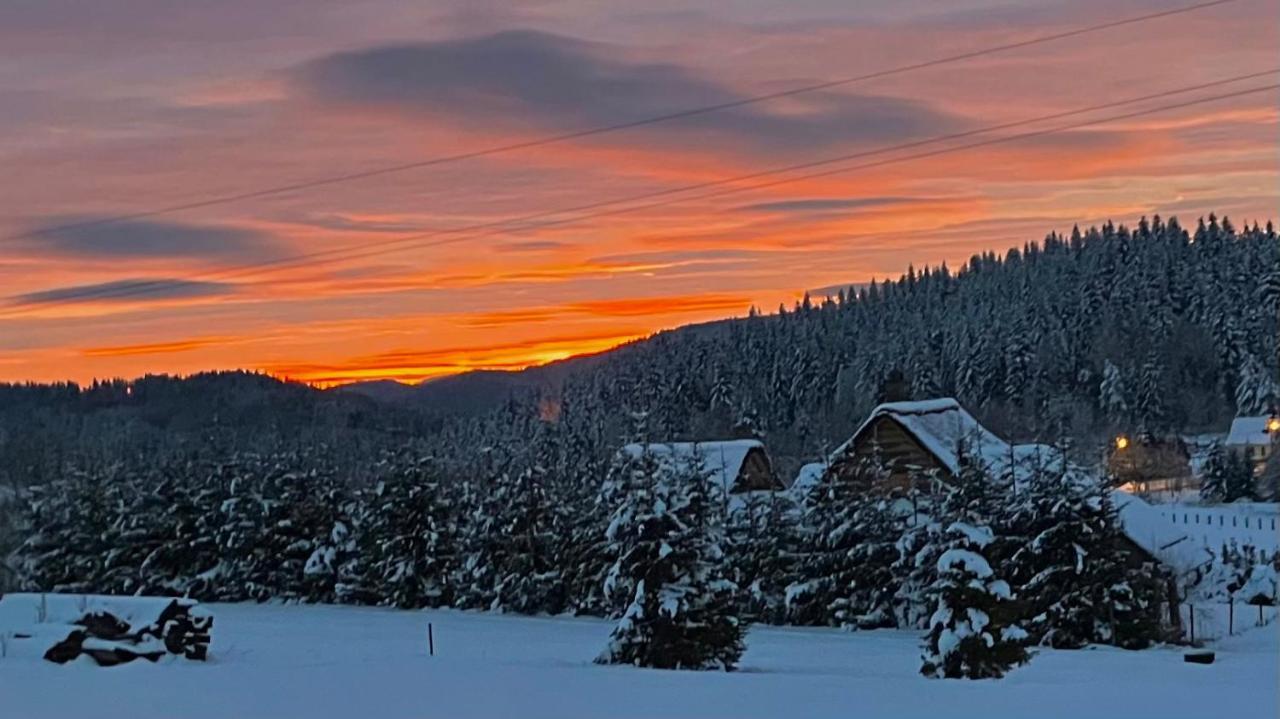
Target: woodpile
{"points": [[108, 630]]}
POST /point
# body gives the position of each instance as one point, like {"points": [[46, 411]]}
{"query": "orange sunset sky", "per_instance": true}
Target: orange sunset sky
{"points": [[110, 109]]}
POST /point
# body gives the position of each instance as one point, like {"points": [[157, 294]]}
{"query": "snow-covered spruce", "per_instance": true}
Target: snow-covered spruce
{"points": [[668, 532], [1076, 574], [971, 632], [845, 577], [410, 538]]}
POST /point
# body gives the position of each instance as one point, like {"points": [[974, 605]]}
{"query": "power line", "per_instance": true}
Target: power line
{"points": [[477, 231], [591, 132]]}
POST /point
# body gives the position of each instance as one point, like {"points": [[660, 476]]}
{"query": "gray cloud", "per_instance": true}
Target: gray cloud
{"points": [[518, 78], [532, 246], [831, 204], [131, 290], [93, 236]]}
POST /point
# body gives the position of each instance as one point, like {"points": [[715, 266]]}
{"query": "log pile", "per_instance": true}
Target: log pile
{"points": [[108, 630]]}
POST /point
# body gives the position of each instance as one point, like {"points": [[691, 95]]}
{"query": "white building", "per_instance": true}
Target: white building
{"points": [[1256, 437]]}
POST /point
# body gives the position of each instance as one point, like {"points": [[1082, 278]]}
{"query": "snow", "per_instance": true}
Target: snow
{"points": [[1249, 431], [806, 480], [981, 536], [20, 610], [721, 460], [972, 562], [953, 436], [942, 426], [320, 662], [1187, 536]]}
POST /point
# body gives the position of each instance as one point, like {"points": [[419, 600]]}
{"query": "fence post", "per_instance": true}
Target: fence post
{"points": [[1231, 615], [1191, 612], [431, 640]]}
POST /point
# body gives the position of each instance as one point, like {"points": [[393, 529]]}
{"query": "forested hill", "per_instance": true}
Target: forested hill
{"points": [[1111, 328], [1154, 328]]}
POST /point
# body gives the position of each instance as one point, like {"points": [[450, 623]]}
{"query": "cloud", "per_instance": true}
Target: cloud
{"points": [[831, 204], [561, 84], [155, 347], [533, 246], [93, 236], [627, 307], [125, 291]]}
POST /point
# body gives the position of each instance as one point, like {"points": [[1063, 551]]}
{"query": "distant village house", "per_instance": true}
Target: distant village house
{"points": [[1151, 465], [1257, 438]]}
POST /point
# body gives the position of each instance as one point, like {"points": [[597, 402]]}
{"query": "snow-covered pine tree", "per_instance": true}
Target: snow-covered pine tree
{"points": [[409, 536], [972, 634], [529, 581], [1077, 576], [1257, 390], [1240, 484], [764, 540], [1217, 468], [670, 536], [918, 546], [872, 583], [845, 577]]}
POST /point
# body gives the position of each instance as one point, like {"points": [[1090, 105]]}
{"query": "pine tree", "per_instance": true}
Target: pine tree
{"points": [[1076, 574], [682, 615], [971, 633], [1257, 390], [410, 537], [1240, 483], [1217, 470], [764, 539], [845, 578]]}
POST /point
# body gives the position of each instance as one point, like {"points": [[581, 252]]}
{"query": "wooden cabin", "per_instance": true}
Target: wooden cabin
{"points": [[920, 443], [736, 466]]}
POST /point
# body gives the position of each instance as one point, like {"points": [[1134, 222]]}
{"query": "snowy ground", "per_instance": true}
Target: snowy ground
{"points": [[313, 662]]}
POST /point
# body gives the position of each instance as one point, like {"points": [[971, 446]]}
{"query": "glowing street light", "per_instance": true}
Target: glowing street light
{"points": [[1122, 442], [1273, 425]]}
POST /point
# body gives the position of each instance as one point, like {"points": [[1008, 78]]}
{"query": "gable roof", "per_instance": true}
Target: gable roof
{"points": [[1249, 431], [947, 431], [721, 460], [941, 426]]}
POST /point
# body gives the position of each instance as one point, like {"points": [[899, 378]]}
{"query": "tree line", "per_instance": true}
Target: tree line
{"points": [[683, 567]]}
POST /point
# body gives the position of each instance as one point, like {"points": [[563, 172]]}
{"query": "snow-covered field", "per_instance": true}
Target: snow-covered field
{"points": [[319, 661]]}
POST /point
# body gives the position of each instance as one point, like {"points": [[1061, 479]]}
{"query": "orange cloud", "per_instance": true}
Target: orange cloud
{"points": [[628, 307]]}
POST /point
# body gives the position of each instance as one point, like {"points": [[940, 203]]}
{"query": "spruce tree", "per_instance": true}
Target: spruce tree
{"points": [[1240, 482], [409, 537], [682, 615], [1216, 473], [972, 633]]}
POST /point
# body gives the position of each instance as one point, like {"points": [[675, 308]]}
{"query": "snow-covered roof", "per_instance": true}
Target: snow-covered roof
{"points": [[721, 460], [1249, 431], [806, 479], [947, 430], [1187, 536], [942, 427]]}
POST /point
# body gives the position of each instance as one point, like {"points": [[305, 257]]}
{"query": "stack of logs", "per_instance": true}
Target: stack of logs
{"points": [[115, 630]]}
